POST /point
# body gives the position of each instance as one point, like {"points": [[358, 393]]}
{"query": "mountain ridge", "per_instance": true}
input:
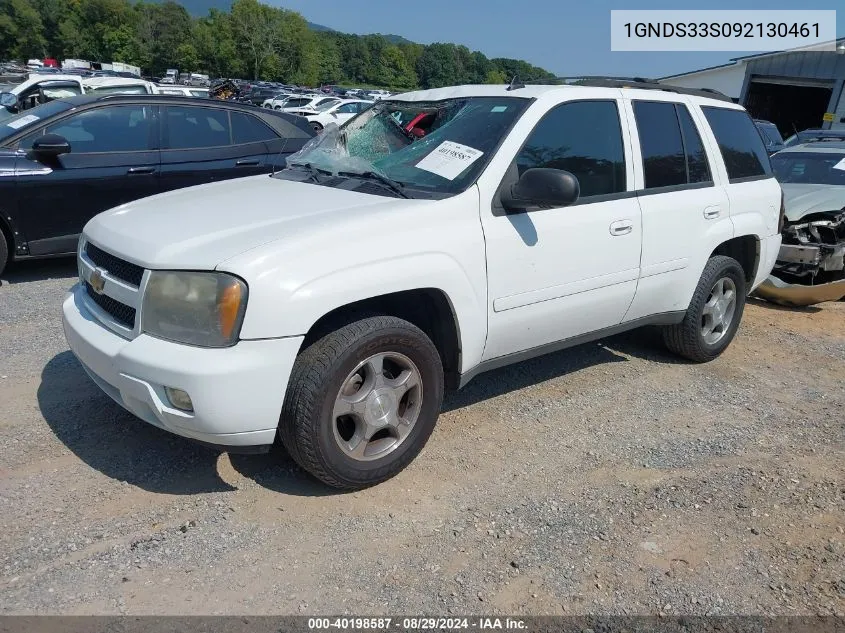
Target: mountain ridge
{"points": [[200, 8]]}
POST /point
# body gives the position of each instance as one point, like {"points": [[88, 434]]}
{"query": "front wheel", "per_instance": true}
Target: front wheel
{"points": [[714, 313], [362, 402]]}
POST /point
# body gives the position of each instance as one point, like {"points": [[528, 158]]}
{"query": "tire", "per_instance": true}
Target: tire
{"points": [[4, 251], [316, 127], [277, 107], [329, 373], [688, 338]]}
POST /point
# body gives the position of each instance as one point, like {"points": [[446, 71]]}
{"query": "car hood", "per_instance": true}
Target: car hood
{"points": [[200, 227], [804, 199]]}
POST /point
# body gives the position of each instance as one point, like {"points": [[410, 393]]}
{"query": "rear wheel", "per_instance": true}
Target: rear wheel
{"points": [[714, 313], [316, 126], [362, 402]]}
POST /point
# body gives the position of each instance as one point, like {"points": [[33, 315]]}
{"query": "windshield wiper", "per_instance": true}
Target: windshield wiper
{"points": [[313, 171], [394, 185]]}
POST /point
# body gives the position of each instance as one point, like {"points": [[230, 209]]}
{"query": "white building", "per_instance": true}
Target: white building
{"points": [[796, 89]]}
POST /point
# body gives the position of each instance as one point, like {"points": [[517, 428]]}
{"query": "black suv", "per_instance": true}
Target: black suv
{"points": [[65, 161]]}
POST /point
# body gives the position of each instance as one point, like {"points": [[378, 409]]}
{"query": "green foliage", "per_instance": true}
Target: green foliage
{"points": [[252, 39]]}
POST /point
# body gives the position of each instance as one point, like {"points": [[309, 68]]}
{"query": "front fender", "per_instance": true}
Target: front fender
{"points": [[437, 245], [438, 271]]}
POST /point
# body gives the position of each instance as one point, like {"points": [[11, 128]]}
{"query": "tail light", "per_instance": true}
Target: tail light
{"points": [[782, 218]]}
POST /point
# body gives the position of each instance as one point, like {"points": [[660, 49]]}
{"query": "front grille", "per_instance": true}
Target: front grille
{"points": [[116, 267], [120, 312]]}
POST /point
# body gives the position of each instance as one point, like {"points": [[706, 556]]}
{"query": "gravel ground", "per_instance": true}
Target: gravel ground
{"points": [[608, 479]]}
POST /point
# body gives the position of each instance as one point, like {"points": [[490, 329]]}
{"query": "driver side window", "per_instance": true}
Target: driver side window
{"points": [[123, 128], [583, 138]]}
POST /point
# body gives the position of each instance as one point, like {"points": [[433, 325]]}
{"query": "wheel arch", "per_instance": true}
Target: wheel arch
{"points": [[746, 250], [430, 309]]}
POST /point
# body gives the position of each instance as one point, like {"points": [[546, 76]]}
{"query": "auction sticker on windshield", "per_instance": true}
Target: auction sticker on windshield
{"points": [[840, 165], [24, 120], [450, 159]]}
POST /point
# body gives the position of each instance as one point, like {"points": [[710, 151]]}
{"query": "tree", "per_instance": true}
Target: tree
{"points": [[21, 30], [162, 28], [252, 39], [495, 77], [257, 29]]}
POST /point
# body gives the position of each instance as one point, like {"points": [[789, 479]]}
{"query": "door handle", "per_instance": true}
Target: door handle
{"points": [[621, 227], [140, 170], [711, 213], [246, 162]]}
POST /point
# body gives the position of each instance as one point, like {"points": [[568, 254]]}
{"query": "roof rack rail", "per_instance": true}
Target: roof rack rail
{"points": [[640, 83]]}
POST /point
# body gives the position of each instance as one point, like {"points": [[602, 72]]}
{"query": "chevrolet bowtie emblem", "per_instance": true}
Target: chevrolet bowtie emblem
{"points": [[97, 281]]}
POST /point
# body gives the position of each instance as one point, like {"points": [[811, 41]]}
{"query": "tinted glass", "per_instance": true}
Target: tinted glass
{"points": [[347, 108], [739, 141], [770, 133], [125, 128], [13, 123], [661, 144], [583, 138], [698, 169], [296, 103], [249, 129], [192, 128], [821, 168]]}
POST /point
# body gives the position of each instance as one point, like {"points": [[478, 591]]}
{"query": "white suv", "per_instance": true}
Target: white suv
{"points": [[437, 235]]}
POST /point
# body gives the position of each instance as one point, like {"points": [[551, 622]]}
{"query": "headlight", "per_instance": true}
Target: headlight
{"points": [[204, 309]]}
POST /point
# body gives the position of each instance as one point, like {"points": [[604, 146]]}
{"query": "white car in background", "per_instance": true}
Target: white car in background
{"points": [[377, 95], [185, 91], [118, 85], [339, 112], [298, 104], [278, 99]]}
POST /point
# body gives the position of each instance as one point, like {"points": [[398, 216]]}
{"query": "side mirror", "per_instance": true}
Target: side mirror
{"points": [[50, 146], [541, 187], [9, 101]]}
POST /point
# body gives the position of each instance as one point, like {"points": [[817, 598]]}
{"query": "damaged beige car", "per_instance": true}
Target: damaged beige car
{"points": [[811, 265]]}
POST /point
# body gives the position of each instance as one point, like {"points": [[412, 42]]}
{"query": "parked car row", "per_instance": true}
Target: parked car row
{"points": [[41, 88], [64, 161]]}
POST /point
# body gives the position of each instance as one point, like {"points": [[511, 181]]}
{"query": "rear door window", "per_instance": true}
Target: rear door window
{"points": [[661, 144], [671, 147], [698, 167], [739, 141], [196, 128], [248, 129]]}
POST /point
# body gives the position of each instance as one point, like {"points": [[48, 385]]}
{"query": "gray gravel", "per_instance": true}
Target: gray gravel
{"points": [[608, 479]]}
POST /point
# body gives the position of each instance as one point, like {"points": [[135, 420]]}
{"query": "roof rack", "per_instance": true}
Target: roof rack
{"points": [[631, 82]]}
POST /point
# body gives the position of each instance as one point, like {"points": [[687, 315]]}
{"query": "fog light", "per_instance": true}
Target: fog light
{"points": [[179, 399]]}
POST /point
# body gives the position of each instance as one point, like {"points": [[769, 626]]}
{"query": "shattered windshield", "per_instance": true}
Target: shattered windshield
{"points": [[820, 168], [437, 147]]}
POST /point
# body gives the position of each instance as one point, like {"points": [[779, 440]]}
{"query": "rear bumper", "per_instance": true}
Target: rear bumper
{"points": [[237, 392]]}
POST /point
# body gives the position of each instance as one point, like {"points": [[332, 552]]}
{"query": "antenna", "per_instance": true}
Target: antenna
{"points": [[515, 84]]}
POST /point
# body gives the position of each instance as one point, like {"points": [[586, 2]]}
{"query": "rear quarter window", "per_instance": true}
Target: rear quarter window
{"points": [[740, 143]]}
